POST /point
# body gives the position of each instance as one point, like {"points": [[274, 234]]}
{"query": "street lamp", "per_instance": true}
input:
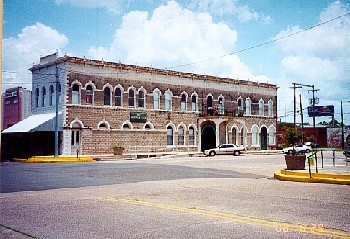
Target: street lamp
{"points": [[342, 124]]}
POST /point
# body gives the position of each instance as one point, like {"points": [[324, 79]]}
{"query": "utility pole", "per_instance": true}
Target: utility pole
{"points": [[313, 108], [302, 119], [56, 118], [295, 107]]}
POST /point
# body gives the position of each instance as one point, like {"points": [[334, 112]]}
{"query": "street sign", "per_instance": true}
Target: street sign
{"points": [[320, 111], [139, 117]]}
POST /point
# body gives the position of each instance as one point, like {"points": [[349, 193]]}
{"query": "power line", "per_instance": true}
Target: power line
{"points": [[261, 44]]}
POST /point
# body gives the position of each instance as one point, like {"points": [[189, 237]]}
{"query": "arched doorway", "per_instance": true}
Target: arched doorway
{"points": [[263, 138], [208, 137]]}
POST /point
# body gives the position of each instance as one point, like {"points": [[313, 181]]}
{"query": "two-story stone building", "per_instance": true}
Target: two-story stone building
{"points": [[144, 108]]}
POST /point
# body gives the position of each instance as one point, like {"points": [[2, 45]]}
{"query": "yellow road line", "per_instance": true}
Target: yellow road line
{"points": [[284, 227]]}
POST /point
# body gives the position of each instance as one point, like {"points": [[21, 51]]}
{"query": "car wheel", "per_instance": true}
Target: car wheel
{"points": [[212, 153], [308, 151], [236, 153], [290, 152]]}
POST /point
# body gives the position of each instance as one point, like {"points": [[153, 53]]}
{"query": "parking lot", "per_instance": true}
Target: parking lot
{"points": [[187, 197]]}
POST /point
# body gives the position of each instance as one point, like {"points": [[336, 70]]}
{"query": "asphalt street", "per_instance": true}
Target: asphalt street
{"points": [[195, 197]]}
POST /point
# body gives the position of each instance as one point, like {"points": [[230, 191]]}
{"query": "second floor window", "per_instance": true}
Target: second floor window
{"points": [[131, 98], [183, 103], [168, 103], [76, 94], [194, 103], [141, 99], [261, 107], [36, 97], [118, 97], [156, 99], [107, 96], [51, 93], [43, 96], [89, 95]]}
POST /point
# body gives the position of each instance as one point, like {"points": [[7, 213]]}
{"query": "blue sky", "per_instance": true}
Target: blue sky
{"points": [[167, 34]]}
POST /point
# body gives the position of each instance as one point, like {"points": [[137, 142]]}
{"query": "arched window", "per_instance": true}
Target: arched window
{"points": [[118, 97], [168, 100], [107, 96], [255, 134], [183, 102], [141, 99], [270, 108], [131, 98], [43, 96], [248, 106], [261, 107], [191, 136], [76, 94], [221, 106], [103, 126], [156, 99], [126, 126], [240, 105], [89, 95], [169, 135], [272, 135], [210, 110], [234, 135], [36, 97], [194, 103], [51, 92], [181, 136]]}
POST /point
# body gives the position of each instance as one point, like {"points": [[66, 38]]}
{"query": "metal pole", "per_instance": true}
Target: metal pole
{"points": [[342, 125], [56, 118], [302, 120], [313, 116], [322, 157]]}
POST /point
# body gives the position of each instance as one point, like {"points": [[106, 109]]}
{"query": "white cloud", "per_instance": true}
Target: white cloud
{"points": [[320, 56], [173, 36], [20, 53], [114, 6], [230, 7]]}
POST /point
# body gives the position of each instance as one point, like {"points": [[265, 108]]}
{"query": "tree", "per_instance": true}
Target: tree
{"points": [[293, 135]]}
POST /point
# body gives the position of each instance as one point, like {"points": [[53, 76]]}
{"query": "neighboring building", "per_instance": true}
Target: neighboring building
{"points": [[144, 108], [16, 106]]}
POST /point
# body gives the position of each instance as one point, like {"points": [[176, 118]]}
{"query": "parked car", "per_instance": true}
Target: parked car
{"points": [[312, 145], [297, 149], [225, 149], [347, 151]]}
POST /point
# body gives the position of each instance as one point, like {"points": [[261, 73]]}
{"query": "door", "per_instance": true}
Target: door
{"points": [[263, 138], [76, 142]]}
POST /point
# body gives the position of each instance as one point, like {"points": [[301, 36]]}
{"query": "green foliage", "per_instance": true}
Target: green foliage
{"points": [[293, 135]]}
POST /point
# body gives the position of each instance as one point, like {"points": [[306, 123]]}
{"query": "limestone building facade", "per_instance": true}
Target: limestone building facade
{"points": [[144, 108]]}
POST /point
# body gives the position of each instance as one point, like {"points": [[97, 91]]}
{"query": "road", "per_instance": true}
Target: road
{"points": [[195, 197]]}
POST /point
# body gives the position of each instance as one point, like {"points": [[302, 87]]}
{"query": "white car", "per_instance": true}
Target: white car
{"points": [[225, 149], [297, 149]]}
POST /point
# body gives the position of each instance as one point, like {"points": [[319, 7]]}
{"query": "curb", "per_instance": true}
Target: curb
{"points": [[287, 175], [58, 159]]}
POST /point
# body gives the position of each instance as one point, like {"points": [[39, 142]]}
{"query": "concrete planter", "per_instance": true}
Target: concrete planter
{"points": [[295, 162]]}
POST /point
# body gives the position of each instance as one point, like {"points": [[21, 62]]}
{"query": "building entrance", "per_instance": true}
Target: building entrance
{"points": [[263, 138], [208, 137]]}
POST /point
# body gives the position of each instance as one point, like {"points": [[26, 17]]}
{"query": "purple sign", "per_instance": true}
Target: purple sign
{"points": [[320, 110]]}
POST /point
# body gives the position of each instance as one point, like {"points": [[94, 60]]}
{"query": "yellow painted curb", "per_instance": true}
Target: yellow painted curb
{"points": [[287, 175], [58, 159]]}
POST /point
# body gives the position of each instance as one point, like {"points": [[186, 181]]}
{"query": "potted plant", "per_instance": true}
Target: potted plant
{"points": [[294, 161], [118, 149]]}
